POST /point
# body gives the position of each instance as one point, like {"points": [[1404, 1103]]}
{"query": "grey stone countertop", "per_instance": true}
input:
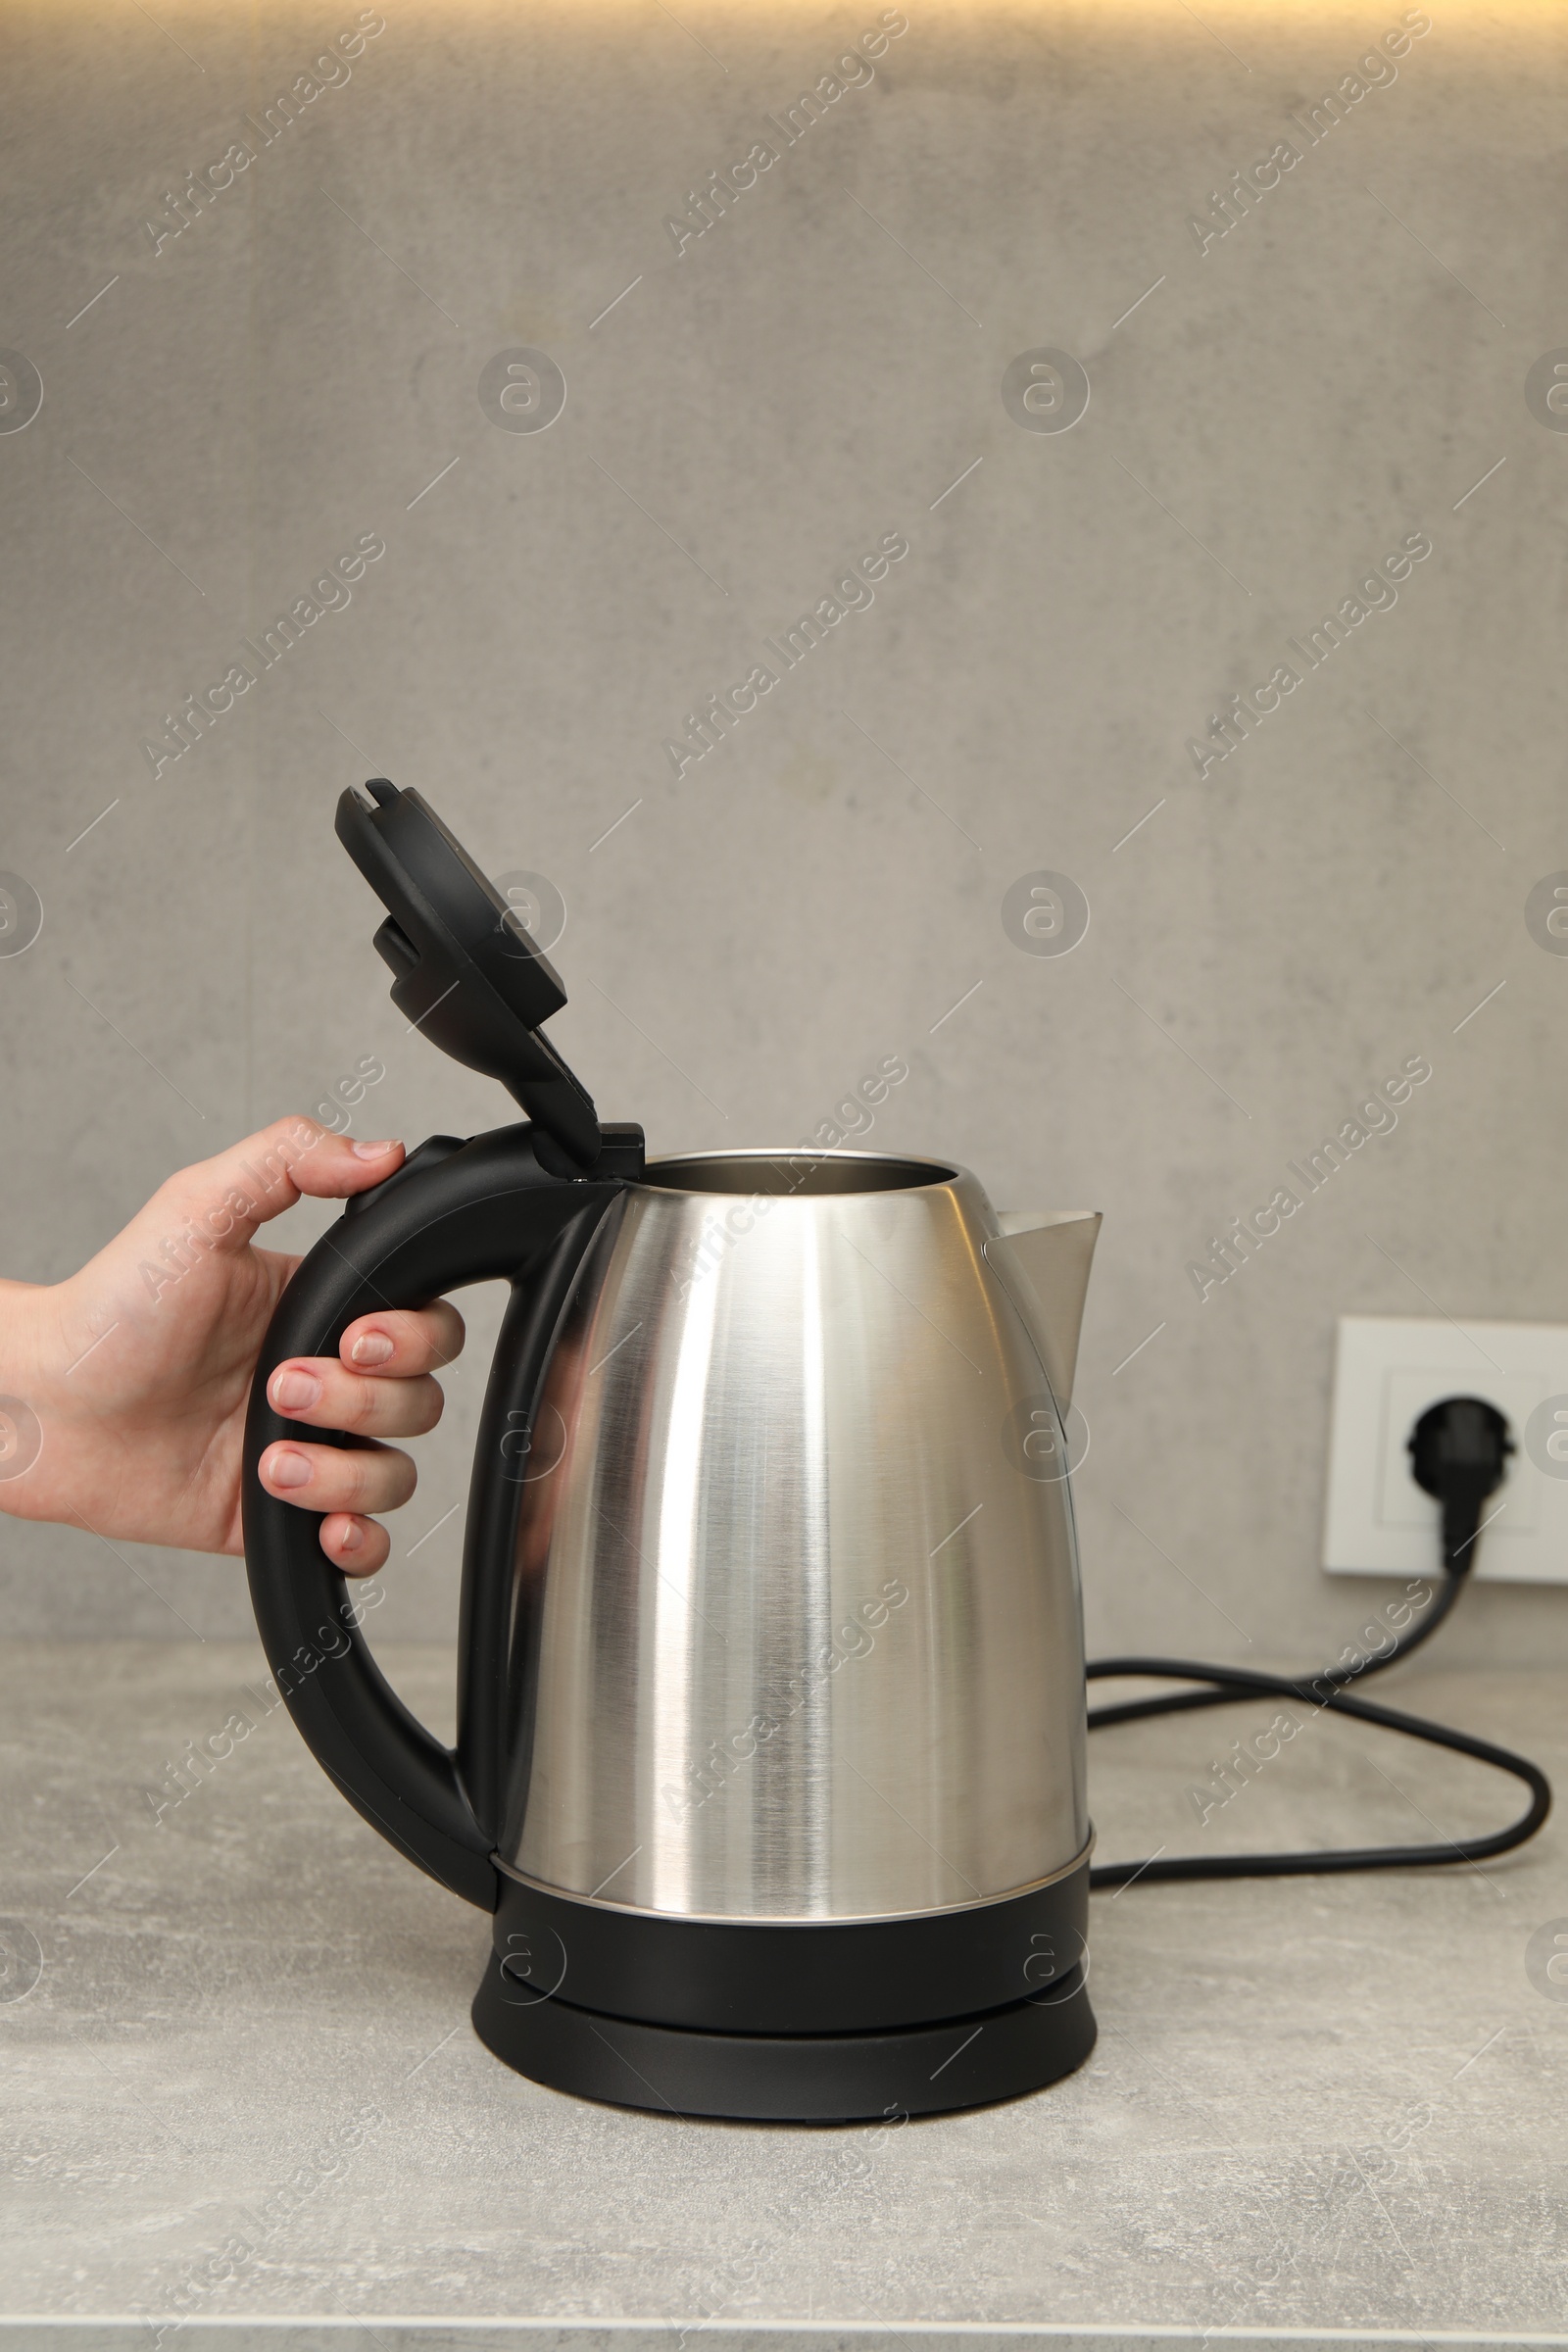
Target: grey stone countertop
{"points": [[243, 2091]]}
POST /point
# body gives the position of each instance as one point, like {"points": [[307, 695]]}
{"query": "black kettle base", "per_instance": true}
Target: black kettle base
{"points": [[789, 2078]]}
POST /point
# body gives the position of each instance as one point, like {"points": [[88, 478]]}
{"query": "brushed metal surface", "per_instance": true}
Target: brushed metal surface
{"points": [[603, 1902], [798, 1631]]}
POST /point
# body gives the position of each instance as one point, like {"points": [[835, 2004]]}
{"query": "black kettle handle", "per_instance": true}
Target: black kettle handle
{"points": [[453, 1214]]}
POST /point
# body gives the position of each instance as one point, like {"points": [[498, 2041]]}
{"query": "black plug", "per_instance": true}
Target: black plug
{"points": [[1459, 1452]]}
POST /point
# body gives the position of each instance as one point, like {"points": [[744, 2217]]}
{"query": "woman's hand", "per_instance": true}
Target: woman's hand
{"points": [[135, 1374]]}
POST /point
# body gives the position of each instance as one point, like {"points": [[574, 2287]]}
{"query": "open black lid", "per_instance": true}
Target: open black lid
{"points": [[465, 970]]}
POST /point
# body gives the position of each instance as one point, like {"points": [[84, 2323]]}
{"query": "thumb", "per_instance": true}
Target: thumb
{"points": [[227, 1198]]}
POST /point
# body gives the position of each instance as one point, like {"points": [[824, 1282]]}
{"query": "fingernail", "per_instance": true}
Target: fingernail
{"points": [[372, 1348], [293, 1390], [363, 1151], [289, 1469], [353, 1537]]}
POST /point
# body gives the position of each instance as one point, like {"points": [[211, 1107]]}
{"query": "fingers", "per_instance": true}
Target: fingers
{"points": [[379, 1385], [403, 1343], [323, 1393], [352, 1480], [358, 1546]]}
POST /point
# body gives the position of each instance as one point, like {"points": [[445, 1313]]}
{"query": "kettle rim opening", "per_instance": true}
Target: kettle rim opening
{"points": [[792, 1172]]}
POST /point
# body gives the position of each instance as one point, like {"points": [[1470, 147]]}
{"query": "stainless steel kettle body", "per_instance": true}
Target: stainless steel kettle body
{"points": [[797, 1631], [771, 1726]]}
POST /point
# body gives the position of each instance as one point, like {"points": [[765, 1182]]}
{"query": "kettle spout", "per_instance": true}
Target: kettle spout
{"points": [[1042, 1258]]}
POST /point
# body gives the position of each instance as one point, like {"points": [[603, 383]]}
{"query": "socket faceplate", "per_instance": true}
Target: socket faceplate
{"points": [[1387, 1371]]}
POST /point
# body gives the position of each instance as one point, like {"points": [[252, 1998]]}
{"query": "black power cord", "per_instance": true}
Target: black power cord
{"points": [[1458, 1451]]}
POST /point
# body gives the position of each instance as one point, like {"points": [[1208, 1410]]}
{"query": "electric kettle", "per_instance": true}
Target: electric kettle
{"points": [[770, 1757]]}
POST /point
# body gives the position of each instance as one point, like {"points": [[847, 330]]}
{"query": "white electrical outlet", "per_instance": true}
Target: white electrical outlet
{"points": [[1387, 1371]]}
